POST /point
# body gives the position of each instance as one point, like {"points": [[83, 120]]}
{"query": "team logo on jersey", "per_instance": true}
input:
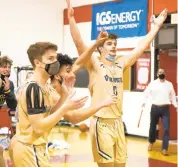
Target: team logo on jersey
{"points": [[115, 80]]}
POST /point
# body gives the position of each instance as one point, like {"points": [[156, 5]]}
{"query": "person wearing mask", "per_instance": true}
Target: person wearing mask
{"points": [[106, 77], [7, 96], [162, 95], [37, 114], [68, 69], [6, 87]]}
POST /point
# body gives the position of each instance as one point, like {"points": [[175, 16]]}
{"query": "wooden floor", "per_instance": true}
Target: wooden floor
{"points": [[80, 154]]}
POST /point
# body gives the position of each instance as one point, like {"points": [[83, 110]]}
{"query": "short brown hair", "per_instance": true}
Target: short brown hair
{"points": [[4, 60], [110, 36], [37, 50]]}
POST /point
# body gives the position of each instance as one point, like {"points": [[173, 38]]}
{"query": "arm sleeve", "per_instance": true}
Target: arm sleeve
{"points": [[35, 99], [10, 97]]}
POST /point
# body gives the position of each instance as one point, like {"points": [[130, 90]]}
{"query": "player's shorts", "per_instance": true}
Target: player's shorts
{"points": [[24, 155], [108, 140]]}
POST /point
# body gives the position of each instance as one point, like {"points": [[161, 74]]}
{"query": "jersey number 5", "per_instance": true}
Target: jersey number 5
{"points": [[115, 90]]}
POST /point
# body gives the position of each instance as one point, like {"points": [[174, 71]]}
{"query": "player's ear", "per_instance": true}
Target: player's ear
{"points": [[100, 49]]}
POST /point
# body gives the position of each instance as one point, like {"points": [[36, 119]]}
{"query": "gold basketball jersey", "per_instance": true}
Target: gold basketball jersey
{"points": [[107, 80], [26, 134]]}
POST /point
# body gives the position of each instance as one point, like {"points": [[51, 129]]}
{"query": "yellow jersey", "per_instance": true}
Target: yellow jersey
{"points": [[25, 132], [106, 80]]}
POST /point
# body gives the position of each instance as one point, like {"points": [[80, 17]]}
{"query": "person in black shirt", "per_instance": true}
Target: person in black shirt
{"points": [[6, 87], [6, 94]]}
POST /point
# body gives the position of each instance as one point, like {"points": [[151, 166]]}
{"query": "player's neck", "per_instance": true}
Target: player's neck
{"points": [[106, 61], [40, 77]]}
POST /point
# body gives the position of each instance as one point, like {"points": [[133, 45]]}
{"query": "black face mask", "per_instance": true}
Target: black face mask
{"points": [[161, 76], [52, 68], [3, 76]]}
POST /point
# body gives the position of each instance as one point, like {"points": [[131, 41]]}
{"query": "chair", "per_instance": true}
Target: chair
{"points": [[5, 120]]}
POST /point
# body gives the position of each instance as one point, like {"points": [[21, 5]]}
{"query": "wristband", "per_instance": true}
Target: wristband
{"points": [[7, 91]]}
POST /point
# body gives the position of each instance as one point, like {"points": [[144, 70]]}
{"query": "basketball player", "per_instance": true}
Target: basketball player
{"points": [[68, 70], [57, 82], [35, 113], [106, 76]]}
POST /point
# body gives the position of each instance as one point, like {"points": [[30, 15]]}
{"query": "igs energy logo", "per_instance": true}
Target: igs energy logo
{"points": [[119, 20], [126, 19]]}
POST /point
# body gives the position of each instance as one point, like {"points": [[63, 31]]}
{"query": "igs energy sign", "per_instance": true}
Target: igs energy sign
{"points": [[127, 18]]}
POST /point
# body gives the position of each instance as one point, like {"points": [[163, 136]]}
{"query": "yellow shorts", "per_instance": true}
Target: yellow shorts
{"points": [[108, 140], [24, 155]]}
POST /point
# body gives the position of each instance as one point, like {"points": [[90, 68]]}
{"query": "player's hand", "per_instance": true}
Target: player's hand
{"points": [[74, 104], [70, 9], [68, 84], [160, 19], [101, 37], [109, 100], [6, 84]]}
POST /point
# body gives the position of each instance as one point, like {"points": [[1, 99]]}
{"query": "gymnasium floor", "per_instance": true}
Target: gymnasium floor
{"points": [[80, 155]]}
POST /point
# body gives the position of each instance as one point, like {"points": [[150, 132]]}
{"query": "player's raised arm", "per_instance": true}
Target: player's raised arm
{"points": [[76, 36], [145, 42]]}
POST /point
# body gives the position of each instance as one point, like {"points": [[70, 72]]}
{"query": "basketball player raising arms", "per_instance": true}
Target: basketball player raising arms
{"points": [[106, 77]]}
